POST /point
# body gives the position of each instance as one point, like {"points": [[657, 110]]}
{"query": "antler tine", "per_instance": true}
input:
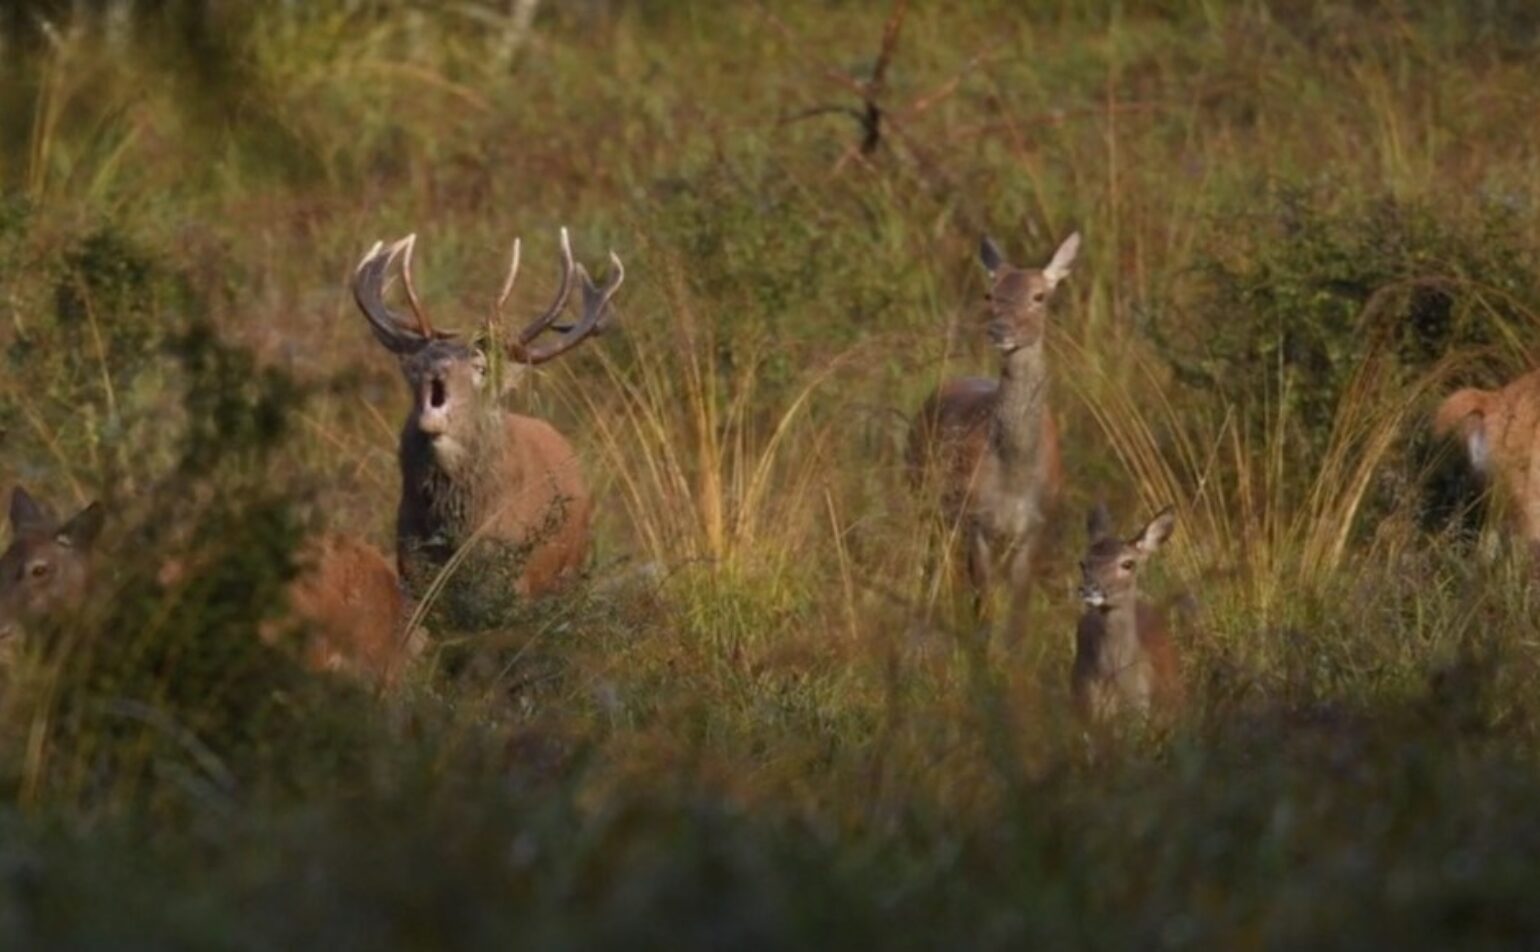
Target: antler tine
{"points": [[596, 309], [369, 293], [540, 324], [513, 274], [610, 287], [423, 324]]}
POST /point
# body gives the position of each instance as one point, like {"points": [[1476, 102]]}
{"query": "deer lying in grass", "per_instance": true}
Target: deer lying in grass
{"points": [[991, 445], [1499, 431], [470, 470], [350, 601], [1124, 657], [346, 595]]}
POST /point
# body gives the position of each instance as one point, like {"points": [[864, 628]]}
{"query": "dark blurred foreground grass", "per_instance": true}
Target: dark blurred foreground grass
{"points": [[756, 725]]}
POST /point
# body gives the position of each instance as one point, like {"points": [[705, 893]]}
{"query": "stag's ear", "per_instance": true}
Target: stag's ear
{"points": [[990, 256], [510, 375], [1058, 268], [1098, 523], [82, 530], [29, 515], [1154, 535]]}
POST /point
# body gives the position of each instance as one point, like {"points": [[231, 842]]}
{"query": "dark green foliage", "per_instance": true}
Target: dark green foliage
{"points": [[1301, 289], [106, 300], [170, 669], [235, 409], [763, 733], [86, 368]]}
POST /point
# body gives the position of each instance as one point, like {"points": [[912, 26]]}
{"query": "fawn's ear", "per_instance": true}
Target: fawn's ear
{"points": [[29, 515], [83, 529], [1098, 523], [1063, 259], [1155, 534], [990, 256]]}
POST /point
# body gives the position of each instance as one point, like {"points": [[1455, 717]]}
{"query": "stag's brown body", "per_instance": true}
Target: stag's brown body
{"points": [[497, 496], [990, 447], [1500, 430], [518, 482]]}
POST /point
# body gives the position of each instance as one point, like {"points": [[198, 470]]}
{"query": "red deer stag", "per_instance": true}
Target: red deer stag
{"points": [[472, 472], [990, 445]]}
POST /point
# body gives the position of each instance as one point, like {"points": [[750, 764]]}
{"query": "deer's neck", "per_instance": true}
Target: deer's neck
{"points": [[1023, 400], [1119, 650], [451, 477]]}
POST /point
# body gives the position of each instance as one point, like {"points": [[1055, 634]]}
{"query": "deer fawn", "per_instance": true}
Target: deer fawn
{"points": [[48, 564], [1499, 429], [346, 593], [1124, 658], [470, 470], [992, 444]]}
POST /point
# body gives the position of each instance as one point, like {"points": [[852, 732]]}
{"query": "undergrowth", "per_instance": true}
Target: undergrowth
{"points": [[760, 719]]}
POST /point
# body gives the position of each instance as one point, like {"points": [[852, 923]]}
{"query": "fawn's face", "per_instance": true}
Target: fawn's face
{"points": [[1110, 570], [47, 566], [1016, 305]]}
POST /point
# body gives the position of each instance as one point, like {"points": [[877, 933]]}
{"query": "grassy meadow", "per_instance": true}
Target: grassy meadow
{"points": [[759, 722]]}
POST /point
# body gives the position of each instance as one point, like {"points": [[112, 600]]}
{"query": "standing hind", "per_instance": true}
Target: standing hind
{"points": [[990, 445]]}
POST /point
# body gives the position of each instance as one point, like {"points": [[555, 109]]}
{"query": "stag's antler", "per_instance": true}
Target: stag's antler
{"points": [[596, 314], [564, 290], [369, 283]]}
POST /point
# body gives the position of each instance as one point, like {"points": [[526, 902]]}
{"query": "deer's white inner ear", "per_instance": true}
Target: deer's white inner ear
{"points": [[1480, 452], [1058, 269]]}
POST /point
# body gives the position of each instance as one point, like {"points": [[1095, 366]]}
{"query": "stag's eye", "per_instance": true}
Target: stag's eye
{"points": [[1126, 565], [38, 569], [1039, 297]]}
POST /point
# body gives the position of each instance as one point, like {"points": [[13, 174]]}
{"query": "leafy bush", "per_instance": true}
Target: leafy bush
{"points": [[1281, 314], [1303, 290]]}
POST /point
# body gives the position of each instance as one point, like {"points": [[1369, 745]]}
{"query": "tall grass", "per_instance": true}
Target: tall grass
{"points": [[760, 720]]}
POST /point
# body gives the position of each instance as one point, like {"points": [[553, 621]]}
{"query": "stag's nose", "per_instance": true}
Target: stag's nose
{"points": [[999, 333], [433, 412], [1093, 596]]}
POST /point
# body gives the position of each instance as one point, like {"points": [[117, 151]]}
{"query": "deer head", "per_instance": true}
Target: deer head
{"points": [[1017, 300], [448, 376], [1109, 572], [47, 565]]}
